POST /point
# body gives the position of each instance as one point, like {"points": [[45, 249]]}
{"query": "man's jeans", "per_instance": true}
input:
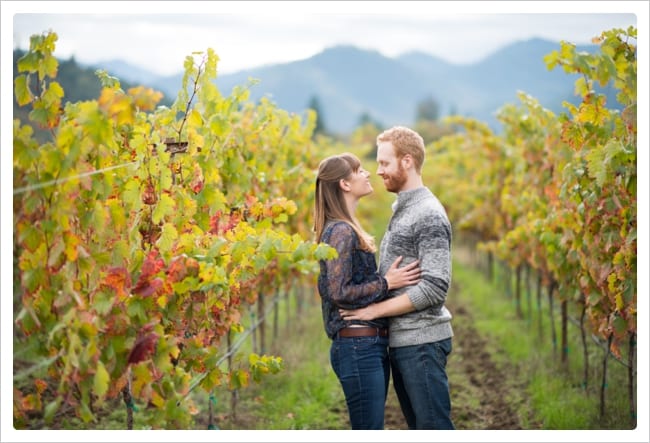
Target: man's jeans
{"points": [[361, 365], [420, 381]]}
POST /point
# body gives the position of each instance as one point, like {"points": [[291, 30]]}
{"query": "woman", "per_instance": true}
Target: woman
{"points": [[359, 350]]}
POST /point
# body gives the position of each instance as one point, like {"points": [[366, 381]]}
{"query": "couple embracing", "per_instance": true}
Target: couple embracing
{"points": [[390, 318]]}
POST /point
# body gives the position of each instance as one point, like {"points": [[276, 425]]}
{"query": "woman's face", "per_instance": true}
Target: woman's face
{"points": [[359, 182]]}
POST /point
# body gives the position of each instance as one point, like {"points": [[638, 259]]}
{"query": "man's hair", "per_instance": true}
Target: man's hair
{"points": [[405, 141]]}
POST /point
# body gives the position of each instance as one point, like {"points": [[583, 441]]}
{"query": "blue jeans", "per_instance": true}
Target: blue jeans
{"points": [[421, 385], [361, 365]]}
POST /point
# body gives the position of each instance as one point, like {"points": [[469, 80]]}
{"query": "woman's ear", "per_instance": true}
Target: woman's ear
{"points": [[344, 185]]}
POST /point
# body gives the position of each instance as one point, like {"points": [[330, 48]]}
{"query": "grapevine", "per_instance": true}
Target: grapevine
{"points": [[155, 232], [557, 193]]}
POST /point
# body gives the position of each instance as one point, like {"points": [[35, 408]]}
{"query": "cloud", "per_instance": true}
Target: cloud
{"points": [[161, 41]]}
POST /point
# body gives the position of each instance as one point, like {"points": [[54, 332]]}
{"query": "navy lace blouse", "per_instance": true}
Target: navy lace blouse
{"points": [[350, 281]]}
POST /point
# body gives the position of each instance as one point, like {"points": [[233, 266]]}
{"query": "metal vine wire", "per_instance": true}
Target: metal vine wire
{"points": [[235, 347], [57, 181]]}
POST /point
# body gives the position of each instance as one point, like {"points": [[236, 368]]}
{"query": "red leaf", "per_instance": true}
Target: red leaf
{"points": [[118, 279], [214, 222], [177, 270], [152, 264], [198, 180], [149, 196], [143, 348], [146, 288], [145, 285]]}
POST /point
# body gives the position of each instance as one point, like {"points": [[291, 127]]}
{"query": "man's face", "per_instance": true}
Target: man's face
{"points": [[390, 168]]}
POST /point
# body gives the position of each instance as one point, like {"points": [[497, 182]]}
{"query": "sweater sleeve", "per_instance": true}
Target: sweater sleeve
{"points": [[348, 289], [433, 239]]}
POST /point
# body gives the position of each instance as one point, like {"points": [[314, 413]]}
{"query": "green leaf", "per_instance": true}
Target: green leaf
{"points": [[301, 252], [167, 237], [101, 380], [596, 165], [131, 192], [85, 413], [164, 208], [42, 365], [54, 92], [620, 325], [325, 252], [103, 302], [582, 63], [49, 67], [30, 236], [50, 410], [106, 80], [628, 292], [40, 116], [218, 125], [28, 62], [120, 252], [137, 309]]}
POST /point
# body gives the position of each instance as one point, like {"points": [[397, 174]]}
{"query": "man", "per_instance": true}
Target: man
{"points": [[420, 324]]}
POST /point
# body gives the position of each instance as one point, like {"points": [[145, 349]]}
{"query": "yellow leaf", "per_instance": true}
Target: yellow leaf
{"points": [[145, 99], [157, 400], [162, 301], [71, 243], [195, 118], [141, 378], [244, 378], [611, 281], [117, 213], [21, 90], [174, 352], [619, 302]]}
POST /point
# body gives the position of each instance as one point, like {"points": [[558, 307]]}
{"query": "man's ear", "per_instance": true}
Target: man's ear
{"points": [[407, 161]]}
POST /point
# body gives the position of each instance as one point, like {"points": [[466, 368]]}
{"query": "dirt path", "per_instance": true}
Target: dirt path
{"points": [[484, 395]]}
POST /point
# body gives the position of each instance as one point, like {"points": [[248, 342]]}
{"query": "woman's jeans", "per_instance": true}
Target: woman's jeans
{"points": [[361, 365], [420, 381]]}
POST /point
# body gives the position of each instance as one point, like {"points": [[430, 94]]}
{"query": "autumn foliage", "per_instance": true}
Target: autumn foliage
{"points": [[558, 193], [141, 234]]}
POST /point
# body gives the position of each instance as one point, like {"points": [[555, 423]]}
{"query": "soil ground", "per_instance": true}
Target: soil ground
{"points": [[483, 398]]}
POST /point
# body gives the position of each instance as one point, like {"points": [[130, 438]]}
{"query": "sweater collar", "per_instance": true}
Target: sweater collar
{"points": [[407, 198]]}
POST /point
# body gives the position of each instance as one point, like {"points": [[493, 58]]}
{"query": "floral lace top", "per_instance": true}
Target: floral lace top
{"points": [[350, 281]]}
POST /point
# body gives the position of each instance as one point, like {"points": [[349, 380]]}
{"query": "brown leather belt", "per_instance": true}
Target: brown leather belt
{"points": [[363, 332]]}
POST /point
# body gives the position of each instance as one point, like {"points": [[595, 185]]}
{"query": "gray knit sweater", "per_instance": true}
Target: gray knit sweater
{"points": [[420, 229]]}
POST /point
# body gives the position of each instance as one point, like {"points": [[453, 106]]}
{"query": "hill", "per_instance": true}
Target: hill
{"points": [[350, 83]]}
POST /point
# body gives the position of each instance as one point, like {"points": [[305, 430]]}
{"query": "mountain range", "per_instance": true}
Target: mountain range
{"points": [[349, 82]]}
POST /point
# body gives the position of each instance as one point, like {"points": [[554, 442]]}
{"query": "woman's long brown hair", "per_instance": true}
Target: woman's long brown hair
{"points": [[330, 204]]}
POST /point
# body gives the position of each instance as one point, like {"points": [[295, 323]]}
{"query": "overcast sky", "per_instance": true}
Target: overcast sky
{"points": [[159, 35]]}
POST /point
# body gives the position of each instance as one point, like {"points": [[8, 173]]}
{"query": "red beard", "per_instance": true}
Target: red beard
{"points": [[394, 183]]}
